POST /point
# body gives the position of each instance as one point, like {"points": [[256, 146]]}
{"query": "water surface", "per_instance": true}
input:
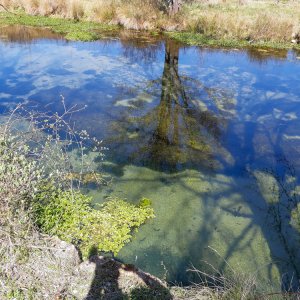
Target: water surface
{"points": [[211, 136]]}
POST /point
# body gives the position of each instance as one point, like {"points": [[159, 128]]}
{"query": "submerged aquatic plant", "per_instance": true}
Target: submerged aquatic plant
{"points": [[69, 215]]}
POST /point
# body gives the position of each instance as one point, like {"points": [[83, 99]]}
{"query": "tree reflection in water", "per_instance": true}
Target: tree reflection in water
{"points": [[178, 132], [26, 34]]}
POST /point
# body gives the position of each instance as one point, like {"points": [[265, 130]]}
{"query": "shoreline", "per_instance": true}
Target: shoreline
{"points": [[86, 31]]}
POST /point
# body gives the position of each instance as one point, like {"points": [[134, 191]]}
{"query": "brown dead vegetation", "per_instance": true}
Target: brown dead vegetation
{"points": [[265, 20]]}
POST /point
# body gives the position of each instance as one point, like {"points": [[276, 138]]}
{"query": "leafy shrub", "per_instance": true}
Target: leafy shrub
{"points": [[69, 215], [19, 180]]}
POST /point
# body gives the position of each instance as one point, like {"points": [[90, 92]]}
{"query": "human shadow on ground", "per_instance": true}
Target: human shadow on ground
{"points": [[114, 280]]}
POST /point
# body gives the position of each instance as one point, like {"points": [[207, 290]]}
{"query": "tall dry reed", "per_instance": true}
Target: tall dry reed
{"points": [[265, 20]]}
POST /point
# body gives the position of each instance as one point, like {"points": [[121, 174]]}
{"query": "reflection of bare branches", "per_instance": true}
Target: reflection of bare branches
{"points": [[177, 131], [262, 56], [258, 55], [139, 46], [55, 142], [281, 211], [25, 34]]}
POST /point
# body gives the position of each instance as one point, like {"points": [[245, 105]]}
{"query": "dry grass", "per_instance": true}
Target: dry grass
{"points": [[32, 265], [138, 15], [253, 20], [76, 10], [265, 20], [104, 11]]}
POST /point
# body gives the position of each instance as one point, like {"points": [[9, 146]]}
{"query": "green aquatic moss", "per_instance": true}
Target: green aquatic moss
{"points": [[71, 29], [145, 202], [81, 36], [69, 215]]}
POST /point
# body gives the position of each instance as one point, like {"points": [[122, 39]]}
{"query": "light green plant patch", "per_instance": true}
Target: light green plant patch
{"points": [[71, 29], [70, 216]]}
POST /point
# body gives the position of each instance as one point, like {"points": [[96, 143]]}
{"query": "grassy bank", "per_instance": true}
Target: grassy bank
{"points": [[228, 23], [195, 39], [71, 29]]}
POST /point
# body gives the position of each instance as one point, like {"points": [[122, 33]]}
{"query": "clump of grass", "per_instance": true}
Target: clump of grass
{"points": [[138, 15], [79, 35], [258, 21], [77, 10], [104, 11], [232, 284]]}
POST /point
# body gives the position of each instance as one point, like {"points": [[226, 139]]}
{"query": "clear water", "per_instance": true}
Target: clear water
{"points": [[211, 136]]}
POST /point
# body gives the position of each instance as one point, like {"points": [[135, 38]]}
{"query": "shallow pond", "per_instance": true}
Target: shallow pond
{"points": [[211, 136]]}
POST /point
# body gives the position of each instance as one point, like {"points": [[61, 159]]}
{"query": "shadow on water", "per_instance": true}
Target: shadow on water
{"points": [[281, 183], [272, 219], [176, 135], [273, 215]]}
